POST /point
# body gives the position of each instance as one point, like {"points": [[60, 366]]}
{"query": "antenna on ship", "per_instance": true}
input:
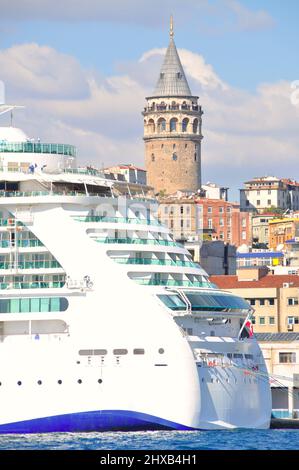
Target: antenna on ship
{"points": [[6, 108]]}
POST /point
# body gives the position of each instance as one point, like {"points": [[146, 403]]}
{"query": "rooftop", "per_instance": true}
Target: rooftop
{"points": [[277, 336], [172, 80], [274, 281]]}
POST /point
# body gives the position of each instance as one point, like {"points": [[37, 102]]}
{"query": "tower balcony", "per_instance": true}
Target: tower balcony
{"points": [[185, 108]]}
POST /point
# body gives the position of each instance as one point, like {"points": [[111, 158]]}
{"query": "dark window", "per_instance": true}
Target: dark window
{"points": [[138, 351], [161, 351], [174, 157], [120, 352], [287, 357]]}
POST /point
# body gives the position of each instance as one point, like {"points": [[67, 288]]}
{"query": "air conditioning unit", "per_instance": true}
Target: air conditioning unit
{"points": [[290, 327], [291, 320], [286, 284]]}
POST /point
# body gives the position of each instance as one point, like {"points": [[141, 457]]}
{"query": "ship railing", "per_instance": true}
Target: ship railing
{"points": [[83, 284]]}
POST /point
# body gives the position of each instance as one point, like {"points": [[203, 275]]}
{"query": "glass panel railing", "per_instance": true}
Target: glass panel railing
{"points": [[38, 147], [138, 241], [121, 220], [31, 265], [163, 282], [148, 261], [26, 243], [32, 285]]}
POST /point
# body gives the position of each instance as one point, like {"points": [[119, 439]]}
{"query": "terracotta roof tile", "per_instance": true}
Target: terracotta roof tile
{"points": [[232, 282]]}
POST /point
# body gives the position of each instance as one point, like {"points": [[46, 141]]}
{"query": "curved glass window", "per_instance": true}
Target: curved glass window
{"points": [[173, 301], [34, 304], [215, 302], [206, 301]]}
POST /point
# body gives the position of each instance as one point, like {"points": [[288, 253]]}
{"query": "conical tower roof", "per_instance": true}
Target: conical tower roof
{"points": [[172, 80]]}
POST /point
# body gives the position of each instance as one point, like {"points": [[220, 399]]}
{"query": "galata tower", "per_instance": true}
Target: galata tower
{"points": [[172, 129]]}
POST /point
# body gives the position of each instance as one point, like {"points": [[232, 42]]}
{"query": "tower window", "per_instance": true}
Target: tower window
{"points": [[174, 157], [153, 157], [186, 145], [179, 75], [173, 124], [162, 145], [195, 126], [173, 146], [161, 125], [185, 123], [161, 75], [195, 157]]}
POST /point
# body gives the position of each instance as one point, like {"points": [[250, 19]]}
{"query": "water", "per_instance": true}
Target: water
{"points": [[273, 439]]}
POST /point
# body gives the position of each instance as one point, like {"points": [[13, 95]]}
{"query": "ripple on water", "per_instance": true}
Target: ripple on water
{"points": [[156, 440]]}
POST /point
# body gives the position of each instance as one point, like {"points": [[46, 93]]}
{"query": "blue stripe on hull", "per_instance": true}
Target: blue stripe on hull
{"points": [[108, 420]]}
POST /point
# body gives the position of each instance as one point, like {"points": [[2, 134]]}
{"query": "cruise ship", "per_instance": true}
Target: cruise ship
{"points": [[106, 322]]}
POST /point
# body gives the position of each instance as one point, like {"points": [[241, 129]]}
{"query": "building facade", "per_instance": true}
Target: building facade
{"points": [[267, 192], [172, 130], [260, 230], [282, 231], [274, 298], [193, 218], [281, 354]]}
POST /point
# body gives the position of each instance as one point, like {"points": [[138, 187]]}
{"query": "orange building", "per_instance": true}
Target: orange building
{"points": [[282, 230]]}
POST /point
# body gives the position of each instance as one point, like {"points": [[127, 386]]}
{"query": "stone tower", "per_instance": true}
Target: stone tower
{"points": [[172, 129]]}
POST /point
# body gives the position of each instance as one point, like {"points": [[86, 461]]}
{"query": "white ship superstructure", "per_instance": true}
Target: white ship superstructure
{"points": [[106, 323]]}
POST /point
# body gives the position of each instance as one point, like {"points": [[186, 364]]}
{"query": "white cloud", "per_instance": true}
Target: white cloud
{"points": [[41, 70], [245, 134], [249, 20]]}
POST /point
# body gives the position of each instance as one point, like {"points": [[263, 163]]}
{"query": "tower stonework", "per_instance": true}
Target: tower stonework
{"points": [[172, 130]]}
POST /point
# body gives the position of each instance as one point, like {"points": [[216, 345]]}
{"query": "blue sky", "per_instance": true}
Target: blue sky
{"points": [[93, 48]]}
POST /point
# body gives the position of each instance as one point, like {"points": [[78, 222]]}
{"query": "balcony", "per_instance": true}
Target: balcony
{"points": [[26, 243], [37, 147], [159, 262], [120, 220], [138, 241], [31, 265], [31, 285], [172, 283]]}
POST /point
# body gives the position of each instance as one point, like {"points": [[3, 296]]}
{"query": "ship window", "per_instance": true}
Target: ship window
{"points": [[216, 302], [19, 382], [39, 382], [100, 381], [138, 351], [120, 352], [85, 352], [79, 381], [229, 355], [174, 302], [248, 356], [59, 382], [34, 304], [100, 352], [161, 351], [238, 356]]}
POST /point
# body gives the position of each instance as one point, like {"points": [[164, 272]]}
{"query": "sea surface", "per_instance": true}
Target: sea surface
{"points": [[283, 439]]}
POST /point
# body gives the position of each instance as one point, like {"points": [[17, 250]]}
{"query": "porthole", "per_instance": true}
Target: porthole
{"points": [[0, 384], [161, 351], [100, 381], [59, 382], [19, 382], [39, 382], [79, 381]]}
